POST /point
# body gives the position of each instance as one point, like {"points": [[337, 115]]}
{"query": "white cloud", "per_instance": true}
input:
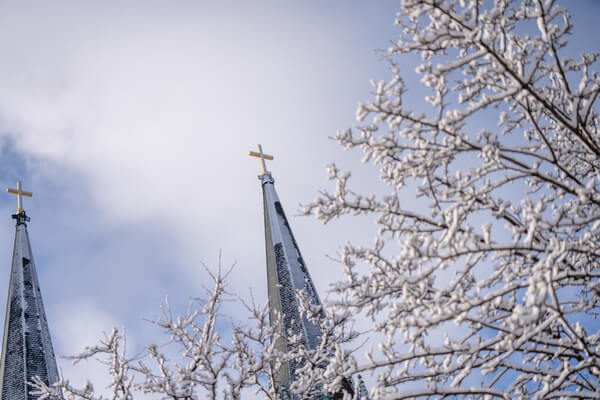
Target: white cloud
{"points": [[136, 121], [155, 107]]}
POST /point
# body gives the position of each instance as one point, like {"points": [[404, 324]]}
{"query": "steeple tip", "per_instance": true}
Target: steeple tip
{"points": [[21, 218], [266, 178]]}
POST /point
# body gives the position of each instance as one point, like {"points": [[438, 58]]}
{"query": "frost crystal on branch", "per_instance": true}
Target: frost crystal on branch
{"points": [[504, 261], [206, 368]]}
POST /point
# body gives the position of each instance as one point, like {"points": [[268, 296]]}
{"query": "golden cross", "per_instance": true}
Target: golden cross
{"points": [[262, 157], [19, 192]]}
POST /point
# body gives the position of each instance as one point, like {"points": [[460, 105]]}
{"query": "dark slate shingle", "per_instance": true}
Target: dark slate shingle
{"points": [[27, 347]]}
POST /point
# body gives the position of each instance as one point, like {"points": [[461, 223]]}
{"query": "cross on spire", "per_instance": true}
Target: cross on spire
{"points": [[20, 193], [262, 157]]}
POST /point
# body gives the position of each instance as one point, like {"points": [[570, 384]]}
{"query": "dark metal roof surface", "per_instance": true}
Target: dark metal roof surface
{"points": [[27, 347], [286, 273]]}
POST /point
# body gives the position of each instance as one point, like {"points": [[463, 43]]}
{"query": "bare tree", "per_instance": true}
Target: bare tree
{"points": [[197, 363], [487, 286]]}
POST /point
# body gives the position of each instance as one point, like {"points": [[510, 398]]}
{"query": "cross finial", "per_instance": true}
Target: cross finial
{"points": [[262, 157], [20, 193]]}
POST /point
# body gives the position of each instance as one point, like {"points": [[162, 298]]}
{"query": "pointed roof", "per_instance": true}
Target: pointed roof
{"points": [[27, 347], [286, 273]]}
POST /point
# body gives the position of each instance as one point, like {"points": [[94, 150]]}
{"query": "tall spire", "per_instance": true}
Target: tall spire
{"points": [[286, 274], [27, 348]]}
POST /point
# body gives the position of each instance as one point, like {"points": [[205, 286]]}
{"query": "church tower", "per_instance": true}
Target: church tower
{"points": [[286, 274], [26, 348]]}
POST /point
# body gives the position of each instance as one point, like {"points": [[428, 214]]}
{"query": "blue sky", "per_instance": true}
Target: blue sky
{"points": [[130, 122]]}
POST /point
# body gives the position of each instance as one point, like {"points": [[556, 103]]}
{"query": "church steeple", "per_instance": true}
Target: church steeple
{"points": [[26, 347], [286, 274]]}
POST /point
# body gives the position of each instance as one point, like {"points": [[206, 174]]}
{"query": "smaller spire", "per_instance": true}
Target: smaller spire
{"points": [[20, 193], [26, 347], [262, 157]]}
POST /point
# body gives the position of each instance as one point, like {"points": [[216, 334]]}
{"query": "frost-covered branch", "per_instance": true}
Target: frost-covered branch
{"points": [[499, 255], [195, 363]]}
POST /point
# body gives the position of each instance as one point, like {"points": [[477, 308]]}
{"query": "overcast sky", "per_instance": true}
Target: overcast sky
{"points": [[131, 122]]}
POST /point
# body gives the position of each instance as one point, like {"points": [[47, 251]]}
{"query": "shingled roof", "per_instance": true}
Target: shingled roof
{"points": [[26, 348]]}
